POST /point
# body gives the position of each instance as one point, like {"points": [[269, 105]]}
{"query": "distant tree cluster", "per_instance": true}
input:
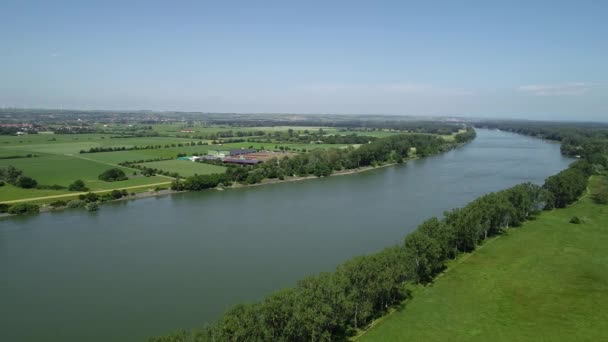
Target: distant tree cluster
{"points": [[14, 176], [113, 175], [78, 185]]}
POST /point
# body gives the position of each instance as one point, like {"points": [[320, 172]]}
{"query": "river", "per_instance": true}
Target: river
{"points": [[151, 266]]}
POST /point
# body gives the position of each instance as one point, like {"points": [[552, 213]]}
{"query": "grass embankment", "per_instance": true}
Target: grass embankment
{"points": [[544, 281]]}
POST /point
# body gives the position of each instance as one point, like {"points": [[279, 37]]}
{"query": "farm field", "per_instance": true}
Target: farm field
{"points": [[58, 160], [73, 143], [185, 167], [55, 169], [546, 281], [59, 169]]}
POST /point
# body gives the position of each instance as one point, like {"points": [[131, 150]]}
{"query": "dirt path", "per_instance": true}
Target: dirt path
{"points": [[82, 193]]}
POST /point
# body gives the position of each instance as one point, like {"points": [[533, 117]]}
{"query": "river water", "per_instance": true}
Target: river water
{"points": [[151, 266]]}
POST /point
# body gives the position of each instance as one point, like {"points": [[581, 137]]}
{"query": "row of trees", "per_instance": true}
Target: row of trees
{"points": [[143, 147]]}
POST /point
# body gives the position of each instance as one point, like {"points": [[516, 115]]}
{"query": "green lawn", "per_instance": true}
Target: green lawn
{"points": [[545, 281], [185, 167]]}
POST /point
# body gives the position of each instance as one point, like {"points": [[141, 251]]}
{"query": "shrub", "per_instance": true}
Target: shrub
{"points": [[93, 206], [58, 203], [26, 182], [76, 204], [3, 208], [113, 175], [23, 208], [576, 220], [78, 185], [89, 197], [1, 183], [116, 194]]}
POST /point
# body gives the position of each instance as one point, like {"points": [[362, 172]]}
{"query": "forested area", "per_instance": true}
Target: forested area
{"points": [[393, 149], [332, 306]]}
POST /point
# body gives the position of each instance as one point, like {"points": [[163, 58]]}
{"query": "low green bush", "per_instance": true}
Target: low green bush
{"points": [[93, 206], [23, 208], [58, 203], [76, 204]]}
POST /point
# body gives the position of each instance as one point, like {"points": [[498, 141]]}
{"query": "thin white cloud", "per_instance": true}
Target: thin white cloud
{"points": [[556, 89], [383, 88]]}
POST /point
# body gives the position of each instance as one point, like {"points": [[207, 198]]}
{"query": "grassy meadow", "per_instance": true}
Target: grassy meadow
{"points": [[544, 281]]}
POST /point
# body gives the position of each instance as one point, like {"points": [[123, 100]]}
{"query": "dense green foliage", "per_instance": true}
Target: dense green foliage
{"points": [[566, 186], [26, 182], [23, 208], [10, 174], [78, 185], [14, 176], [113, 175]]}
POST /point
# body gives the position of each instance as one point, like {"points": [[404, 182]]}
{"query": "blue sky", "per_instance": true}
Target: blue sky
{"points": [[521, 59]]}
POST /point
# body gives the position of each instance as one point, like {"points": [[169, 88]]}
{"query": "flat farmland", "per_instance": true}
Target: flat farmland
{"points": [[58, 159], [185, 167], [58, 169], [53, 169], [74, 143]]}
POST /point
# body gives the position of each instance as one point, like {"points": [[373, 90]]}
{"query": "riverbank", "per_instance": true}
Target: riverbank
{"points": [[165, 192]]}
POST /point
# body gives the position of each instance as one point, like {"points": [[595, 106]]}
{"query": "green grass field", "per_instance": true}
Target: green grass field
{"points": [[55, 169], [73, 143], [545, 281], [185, 167]]}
